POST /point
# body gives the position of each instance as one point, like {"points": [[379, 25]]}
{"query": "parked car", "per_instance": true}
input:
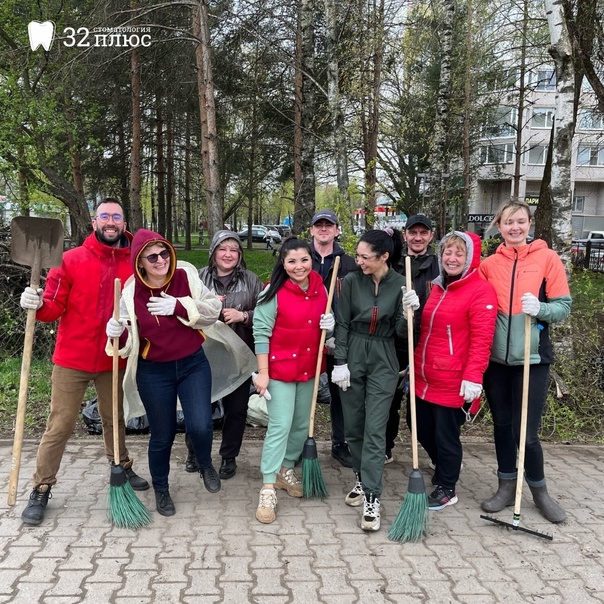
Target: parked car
{"points": [[260, 234], [282, 229]]}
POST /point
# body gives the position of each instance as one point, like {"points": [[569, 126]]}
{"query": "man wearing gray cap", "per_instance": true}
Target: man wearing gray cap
{"points": [[418, 235], [324, 229]]}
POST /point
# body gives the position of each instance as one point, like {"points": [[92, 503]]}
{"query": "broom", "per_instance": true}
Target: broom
{"points": [[125, 508], [412, 518], [313, 484]]}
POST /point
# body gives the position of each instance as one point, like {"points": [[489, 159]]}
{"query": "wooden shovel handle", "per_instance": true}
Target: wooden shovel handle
{"points": [[523, 417], [117, 290], [28, 343], [410, 349], [315, 392]]}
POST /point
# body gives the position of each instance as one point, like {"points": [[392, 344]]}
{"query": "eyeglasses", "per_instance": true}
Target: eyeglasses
{"points": [[364, 257], [104, 217], [153, 258]]}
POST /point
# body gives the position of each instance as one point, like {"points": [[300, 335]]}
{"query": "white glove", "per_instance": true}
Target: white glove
{"points": [[31, 299], [341, 376], [330, 344], [114, 329], [163, 305], [470, 390], [327, 322], [267, 394], [410, 299], [530, 304]]}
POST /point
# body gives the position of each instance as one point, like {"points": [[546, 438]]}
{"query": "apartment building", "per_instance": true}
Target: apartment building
{"points": [[494, 178]]}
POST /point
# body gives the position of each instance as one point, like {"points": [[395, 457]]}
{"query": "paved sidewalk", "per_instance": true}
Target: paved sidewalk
{"points": [[213, 550]]}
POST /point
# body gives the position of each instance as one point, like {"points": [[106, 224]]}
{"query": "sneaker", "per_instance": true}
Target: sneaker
{"points": [[440, 498], [136, 482], [356, 496], [164, 503], [341, 453], [433, 466], [34, 512], [211, 480], [290, 482], [388, 458], [370, 521], [267, 504]]}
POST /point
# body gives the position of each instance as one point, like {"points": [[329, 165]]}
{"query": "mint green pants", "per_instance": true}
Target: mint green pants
{"points": [[288, 423]]}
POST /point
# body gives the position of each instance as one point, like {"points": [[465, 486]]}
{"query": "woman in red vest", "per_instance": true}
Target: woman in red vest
{"points": [[287, 331]]}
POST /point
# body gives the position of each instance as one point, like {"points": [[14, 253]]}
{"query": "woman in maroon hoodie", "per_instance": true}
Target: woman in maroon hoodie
{"points": [[165, 306], [458, 323]]}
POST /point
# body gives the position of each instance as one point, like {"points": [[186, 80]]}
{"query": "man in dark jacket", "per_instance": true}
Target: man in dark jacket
{"points": [[418, 235], [80, 294], [324, 229]]}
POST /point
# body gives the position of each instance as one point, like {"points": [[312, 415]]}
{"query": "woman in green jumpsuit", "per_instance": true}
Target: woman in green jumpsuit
{"points": [[369, 315]]}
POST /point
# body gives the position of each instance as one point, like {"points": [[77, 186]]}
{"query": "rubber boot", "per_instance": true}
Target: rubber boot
{"points": [[506, 494], [549, 509]]}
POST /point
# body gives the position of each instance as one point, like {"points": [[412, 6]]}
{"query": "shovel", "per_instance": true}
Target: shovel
{"points": [[35, 242]]}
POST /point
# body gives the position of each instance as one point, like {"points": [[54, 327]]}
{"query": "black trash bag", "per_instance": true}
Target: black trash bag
{"points": [[91, 417], [217, 417], [138, 425], [323, 395]]}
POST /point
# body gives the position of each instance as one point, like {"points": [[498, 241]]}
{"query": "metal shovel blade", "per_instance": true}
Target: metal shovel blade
{"points": [[31, 236]]}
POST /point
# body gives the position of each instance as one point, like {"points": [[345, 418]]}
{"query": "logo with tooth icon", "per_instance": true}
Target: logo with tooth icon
{"points": [[41, 34]]}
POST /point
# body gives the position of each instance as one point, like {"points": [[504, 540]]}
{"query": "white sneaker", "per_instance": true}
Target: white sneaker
{"points": [[370, 521], [265, 512], [356, 496], [290, 483], [433, 466]]}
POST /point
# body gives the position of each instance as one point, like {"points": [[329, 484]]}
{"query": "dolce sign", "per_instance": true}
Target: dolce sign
{"points": [[480, 217]]}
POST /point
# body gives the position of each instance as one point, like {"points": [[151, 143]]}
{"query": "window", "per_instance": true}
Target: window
{"points": [[590, 156], [497, 154], [578, 203], [544, 79], [537, 156], [502, 123], [591, 119], [543, 117]]}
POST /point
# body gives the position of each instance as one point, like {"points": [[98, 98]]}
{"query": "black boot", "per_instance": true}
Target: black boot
{"points": [[228, 468], [506, 495], [191, 463], [549, 509], [34, 512]]}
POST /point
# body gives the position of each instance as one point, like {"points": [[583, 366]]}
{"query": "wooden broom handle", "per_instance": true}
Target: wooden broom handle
{"points": [[410, 348], [332, 287], [117, 290], [523, 417]]}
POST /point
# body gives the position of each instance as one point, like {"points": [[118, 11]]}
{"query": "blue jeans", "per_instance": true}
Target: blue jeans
{"points": [[159, 385]]}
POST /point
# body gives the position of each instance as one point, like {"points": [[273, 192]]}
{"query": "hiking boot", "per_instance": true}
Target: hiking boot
{"points": [[549, 509], [267, 504], [341, 453], [136, 482], [191, 463], [36, 506], [211, 480], [440, 498], [290, 482], [164, 503], [370, 521], [228, 468], [505, 496], [356, 496]]}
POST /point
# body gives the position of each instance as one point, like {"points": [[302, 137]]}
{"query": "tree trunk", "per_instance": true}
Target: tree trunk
{"points": [[521, 102], [207, 110], [467, 120], [187, 183], [171, 221], [136, 215], [161, 168]]}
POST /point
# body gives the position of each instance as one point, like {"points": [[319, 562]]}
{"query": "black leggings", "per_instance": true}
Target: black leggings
{"points": [[503, 389]]}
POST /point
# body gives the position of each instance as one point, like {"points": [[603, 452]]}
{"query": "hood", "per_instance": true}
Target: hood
{"points": [[141, 240], [474, 249], [218, 238]]}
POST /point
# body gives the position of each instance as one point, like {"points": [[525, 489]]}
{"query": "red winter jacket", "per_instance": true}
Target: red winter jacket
{"points": [[80, 294], [456, 332]]}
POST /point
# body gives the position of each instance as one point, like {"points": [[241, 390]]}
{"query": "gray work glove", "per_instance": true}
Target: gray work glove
{"points": [[410, 299], [31, 299], [162, 305], [114, 329], [341, 376]]}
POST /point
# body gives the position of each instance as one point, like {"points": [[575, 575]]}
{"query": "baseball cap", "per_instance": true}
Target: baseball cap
{"points": [[328, 215], [418, 219]]}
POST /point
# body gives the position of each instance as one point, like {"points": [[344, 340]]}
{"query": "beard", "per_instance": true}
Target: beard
{"points": [[111, 240]]}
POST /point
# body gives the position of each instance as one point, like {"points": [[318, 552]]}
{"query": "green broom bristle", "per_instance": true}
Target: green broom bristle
{"points": [[125, 509], [412, 519], [313, 484]]}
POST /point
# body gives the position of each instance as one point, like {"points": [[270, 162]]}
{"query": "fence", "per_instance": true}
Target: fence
{"points": [[589, 256]]}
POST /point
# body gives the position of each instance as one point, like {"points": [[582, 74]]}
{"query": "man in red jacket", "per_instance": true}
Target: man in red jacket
{"points": [[80, 294]]}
